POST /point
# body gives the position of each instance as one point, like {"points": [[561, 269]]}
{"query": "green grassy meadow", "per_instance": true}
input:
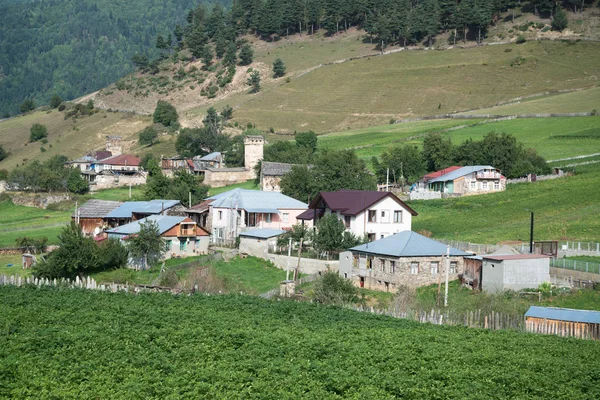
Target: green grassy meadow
{"points": [[250, 185], [165, 346], [565, 209], [373, 90], [119, 194]]}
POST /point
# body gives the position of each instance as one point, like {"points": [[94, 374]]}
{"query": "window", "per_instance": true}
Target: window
{"points": [[398, 216], [369, 263], [182, 245], [414, 268], [371, 237], [484, 185], [453, 267], [220, 215], [496, 185], [393, 267], [473, 185], [382, 236], [268, 218], [382, 264], [347, 220], [372, 216], [285, 217], [385, 216], [355, 262], [434, 268], [168, 245]]}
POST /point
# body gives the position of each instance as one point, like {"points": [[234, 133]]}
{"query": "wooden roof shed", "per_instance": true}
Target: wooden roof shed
{"points": [[583, 324]]}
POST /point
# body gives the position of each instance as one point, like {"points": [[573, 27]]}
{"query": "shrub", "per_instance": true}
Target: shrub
{"points": [[3, 155], [559, 21], [37, 132], [333, 289], [27, 105], [507, 50], [62, 107], [55, 101], [520, 39], [165, 114], [148, 135]]}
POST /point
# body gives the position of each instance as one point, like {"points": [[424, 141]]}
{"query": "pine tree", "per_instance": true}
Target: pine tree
{"points": [[254, 81], [246, 54], [278, 68], [207, 56], [559, 20], [230, 57], [196, 40]]}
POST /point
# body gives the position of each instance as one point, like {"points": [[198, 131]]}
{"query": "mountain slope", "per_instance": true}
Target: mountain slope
{"points": [[73, 47]]}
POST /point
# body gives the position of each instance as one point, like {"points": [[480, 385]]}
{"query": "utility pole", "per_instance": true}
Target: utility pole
{"points": [[447, 275], [190, 199], [531, 235], [287, 270], [130, 190], [387, 181], [298, 266]]}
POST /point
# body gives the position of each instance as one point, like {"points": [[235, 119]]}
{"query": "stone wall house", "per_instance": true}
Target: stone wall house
{"points": [[257, 242], [271, 174], [364, 212], [403, 259]]}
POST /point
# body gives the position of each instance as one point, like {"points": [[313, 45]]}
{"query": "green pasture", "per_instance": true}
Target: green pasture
{"points": [[565, 209], [250, 185], [119, 194]]}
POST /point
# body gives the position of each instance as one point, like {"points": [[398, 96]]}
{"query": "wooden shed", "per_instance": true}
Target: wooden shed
{"points": [[90, 216], [583, 324]]}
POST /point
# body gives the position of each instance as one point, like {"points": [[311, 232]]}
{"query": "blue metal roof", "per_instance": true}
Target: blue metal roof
{"points": [[126, 209], [407, 244], [165, 222], [255, 201], [564, 314], [214, 156], [263, 233], [450, 176]]}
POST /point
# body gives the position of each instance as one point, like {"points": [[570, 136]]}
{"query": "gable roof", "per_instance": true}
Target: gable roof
{"points": [[353, 202], [96, 208], [200, 207], [165, 222], [564, 314], [437, 174], [407, 244], [460, 172], [127, 209], [214, 156], [263, 233], [121, 159], [255, 201], [275, 169]]}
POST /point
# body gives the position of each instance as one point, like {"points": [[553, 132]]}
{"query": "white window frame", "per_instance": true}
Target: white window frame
{"points": [[484, 185], [453, 267], [496, 185], [268, 218], [414, 268], [285, 217], [473, 185], [434, 267], [398, 216]]}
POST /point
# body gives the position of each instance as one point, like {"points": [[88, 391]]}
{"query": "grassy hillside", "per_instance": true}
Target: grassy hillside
{"points": [[160, 345], [374, 90], [70, 137], [565, 209]]}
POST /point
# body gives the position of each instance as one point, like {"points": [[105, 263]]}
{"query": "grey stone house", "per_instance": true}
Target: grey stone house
{"points": [[405, 258]]}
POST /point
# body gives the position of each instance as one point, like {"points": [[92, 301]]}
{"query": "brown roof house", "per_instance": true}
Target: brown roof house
{"points": [[371, 213]]}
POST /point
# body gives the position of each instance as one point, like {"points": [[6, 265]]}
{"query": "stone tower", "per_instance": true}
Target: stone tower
{"points": [[114, 145], [253, 148]]}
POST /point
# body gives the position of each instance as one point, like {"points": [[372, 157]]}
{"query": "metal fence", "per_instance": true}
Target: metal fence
{"points": [[575, 265], [589, 247]]}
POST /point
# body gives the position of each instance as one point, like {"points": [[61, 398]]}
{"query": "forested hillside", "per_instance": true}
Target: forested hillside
{"points": [[72, 47]]}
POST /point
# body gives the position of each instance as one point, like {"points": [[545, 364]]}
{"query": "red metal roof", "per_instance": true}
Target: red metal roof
{"points": [[502, 257], [437, 174], [122, 159], [353, 202], [200, 207]]}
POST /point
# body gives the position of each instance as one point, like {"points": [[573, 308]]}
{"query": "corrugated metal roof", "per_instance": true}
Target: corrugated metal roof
{"points": [[502, 257], [275, 168], [141, 207], [564, 314], [253, 199], [461, 172], [353, 202], [437, 174], [214, 156], [407, 244], [262, 233], [165, 222], [97, 208], [121, 159]]}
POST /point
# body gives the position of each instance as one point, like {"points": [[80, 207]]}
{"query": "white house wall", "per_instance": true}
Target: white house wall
{"points": [[384, 226]]}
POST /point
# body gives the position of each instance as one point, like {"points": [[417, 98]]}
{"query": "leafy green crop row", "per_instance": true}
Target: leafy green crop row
{"points": [[85, 344]]}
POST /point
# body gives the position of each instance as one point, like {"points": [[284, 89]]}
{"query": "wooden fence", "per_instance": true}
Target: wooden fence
{"points": [[563, 328]]}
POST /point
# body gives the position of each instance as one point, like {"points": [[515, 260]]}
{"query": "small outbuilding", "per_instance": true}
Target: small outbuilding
{"points": [[514, 271], [90, 216], [257, 242], [584, 324]]}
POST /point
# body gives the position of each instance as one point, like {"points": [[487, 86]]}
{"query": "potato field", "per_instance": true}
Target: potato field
{"points": [[58, 343]]}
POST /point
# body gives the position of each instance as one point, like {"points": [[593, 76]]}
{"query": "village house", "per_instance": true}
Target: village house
{"points": [[90, 216], [405, 258], [584, 324], [239, 210], [182, 237], [271, 174], [196, 165], [469, 180], [364, 213], [257, 242], [135, 210]]}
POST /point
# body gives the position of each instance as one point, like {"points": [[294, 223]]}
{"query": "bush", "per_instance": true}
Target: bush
{"points": [[559, 21], [148, 135], [246, 54], [3, 155], [62, 107], [27, 105], [55, 101], [37, 132], [333, 289], [520, 39]]}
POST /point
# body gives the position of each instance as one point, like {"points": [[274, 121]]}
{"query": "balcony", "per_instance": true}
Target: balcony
{"points": [[488, 175], [188, 231]]}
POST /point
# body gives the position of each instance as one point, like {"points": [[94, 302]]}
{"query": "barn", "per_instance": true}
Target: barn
{"points": [[90, 216], [584, 324]]}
